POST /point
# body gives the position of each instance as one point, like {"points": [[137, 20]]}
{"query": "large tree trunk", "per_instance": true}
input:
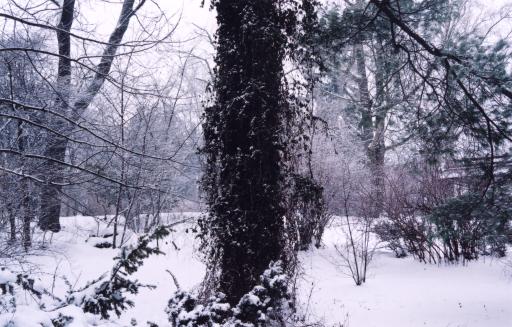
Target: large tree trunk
{"points": [[50, 193], [243, 143]]}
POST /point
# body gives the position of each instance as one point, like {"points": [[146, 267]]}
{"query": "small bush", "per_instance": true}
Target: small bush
{"points": [[470, 225], [103, 245], [259, 307], [309, 211]]}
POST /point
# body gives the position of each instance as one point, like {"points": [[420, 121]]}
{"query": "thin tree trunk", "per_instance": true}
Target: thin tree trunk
{"points": [[12, 224], [27, 216], [24, 204]]}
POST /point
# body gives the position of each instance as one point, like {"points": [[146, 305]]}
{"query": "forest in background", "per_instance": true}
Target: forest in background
{"points": [[391, 116]]}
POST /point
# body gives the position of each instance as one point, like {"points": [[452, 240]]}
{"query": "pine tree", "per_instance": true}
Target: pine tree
{"points": [[365, 65]]}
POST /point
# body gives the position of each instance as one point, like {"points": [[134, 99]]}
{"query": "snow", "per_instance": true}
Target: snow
{"points": [[404, 292], [398, 292], [26, 316], [72, 254], [6, 276]]}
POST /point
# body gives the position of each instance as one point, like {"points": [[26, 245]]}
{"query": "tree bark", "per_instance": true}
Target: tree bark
{"points": [[244, 142], [56, 146], [371, 125], [377, 148], [365, 103], [12, 224]]}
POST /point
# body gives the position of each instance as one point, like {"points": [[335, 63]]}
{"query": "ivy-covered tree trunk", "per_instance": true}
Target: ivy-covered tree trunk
{"points": [[244, 144]]}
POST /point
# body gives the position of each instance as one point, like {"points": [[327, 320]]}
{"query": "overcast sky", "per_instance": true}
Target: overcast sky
{"points": [[190, 13]]}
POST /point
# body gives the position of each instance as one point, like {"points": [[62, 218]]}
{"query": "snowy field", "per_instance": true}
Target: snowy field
{"points": [[398, 292], [406, 293]]}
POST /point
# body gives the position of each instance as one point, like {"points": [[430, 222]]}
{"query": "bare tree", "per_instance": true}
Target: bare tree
{"points": [[101, 133], [56, 149]]}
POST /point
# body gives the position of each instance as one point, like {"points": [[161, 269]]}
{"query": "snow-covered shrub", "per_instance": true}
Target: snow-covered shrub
{"points": [[98, 298], [103, 245], [184, 309], [262, 306], [62, 320], [308, 210], [469, 225], [355, 255], [424, 216], [7, 283], [410, 194], [102, 295], [391, 235], [14, 286]]}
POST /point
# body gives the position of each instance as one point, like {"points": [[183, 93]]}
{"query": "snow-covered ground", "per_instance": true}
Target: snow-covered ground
{"points": [[398, 292], [72, 254], [406, 293]]}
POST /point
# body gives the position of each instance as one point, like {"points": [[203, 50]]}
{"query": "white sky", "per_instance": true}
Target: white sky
{"points": [[103, 14]]}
